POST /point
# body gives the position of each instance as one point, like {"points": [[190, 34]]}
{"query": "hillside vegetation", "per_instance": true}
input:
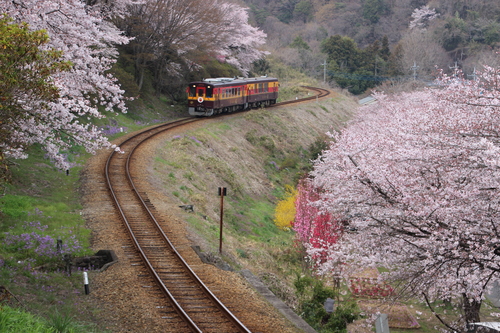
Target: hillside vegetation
{"points": [[419, 35]]}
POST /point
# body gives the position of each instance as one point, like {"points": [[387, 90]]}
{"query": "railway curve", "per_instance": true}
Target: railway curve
{"points": [[195, 307]]}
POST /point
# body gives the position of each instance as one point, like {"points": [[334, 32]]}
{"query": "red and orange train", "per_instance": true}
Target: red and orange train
{"points": [[220, 95]]}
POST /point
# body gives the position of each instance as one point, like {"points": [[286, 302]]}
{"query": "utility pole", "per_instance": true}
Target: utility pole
{"points": [[414, 68], [324, 71], [222, 193], [455, 69], [473, 75]]}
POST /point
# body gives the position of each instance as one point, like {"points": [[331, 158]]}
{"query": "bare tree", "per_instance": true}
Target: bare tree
{"points": [[165, 31], [421, 49]]}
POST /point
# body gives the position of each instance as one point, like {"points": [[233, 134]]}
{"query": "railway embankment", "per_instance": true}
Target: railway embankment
{"points": [[254, 155]]}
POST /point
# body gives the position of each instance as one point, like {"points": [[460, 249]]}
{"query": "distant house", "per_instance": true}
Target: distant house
{"points": [[367, 100]]}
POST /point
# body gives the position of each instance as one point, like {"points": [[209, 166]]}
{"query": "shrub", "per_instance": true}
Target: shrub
{"points": [[285, 209]]}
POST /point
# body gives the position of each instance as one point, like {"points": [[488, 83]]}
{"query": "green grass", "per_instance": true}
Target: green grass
{"points": [[41, 195], [15, 320]]}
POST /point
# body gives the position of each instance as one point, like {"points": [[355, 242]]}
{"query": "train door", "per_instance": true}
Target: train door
{"points": [[200, 91]]}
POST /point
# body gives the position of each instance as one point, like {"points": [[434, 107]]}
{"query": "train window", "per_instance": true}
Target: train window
{"points": [[200, 92], [266, 87], [192, 91], [210, 91], [239, 91], [233, 93]]}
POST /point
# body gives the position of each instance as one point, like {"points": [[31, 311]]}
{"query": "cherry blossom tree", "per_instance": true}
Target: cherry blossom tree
{"points": [[175, 36], [25, 72], [87, 39], [421, 17], [240, 42], [417, 175]]}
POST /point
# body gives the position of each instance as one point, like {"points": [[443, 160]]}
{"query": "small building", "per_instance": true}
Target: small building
{"points": [[487, 327]]}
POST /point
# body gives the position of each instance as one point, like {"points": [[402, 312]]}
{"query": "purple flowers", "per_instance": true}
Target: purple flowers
{"points": [[111, 130], [195, 140], [37, 245]]}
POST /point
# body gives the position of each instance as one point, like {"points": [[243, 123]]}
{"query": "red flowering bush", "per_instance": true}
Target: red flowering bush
{"points": [[369, 287]]}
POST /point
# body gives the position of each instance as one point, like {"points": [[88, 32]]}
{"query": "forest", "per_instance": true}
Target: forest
{"points": [[380, 40]]}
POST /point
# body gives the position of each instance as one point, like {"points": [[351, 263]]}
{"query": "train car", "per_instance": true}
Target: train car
{"points": [[221, 95]]}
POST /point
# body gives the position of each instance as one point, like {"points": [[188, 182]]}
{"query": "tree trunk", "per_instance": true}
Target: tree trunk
{"points": [[471, 310]]}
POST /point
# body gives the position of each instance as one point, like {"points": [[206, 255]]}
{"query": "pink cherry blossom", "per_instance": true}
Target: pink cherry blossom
{"points": [[417, 175], [88, 40]]}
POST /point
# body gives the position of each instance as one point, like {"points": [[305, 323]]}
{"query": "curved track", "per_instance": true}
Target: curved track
{"points": [[320, 94], [196, 309]]}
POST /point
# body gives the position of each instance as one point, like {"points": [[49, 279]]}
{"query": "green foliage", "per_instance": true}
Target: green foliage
{"points": [[317, 147], [284, 9], [215, 68], [63, 323], [242, 253], [342, 50], [313, 294], [299, 43], [16, 206], [344, 314], [21, 56], [454, 33], [301, 283], [261, 141], [491, 33], [303, 11], [354, 68], [126, 79], [260, 14], [25, 78], [260, 67], [373, 9], [312, 306], [15, 321]]}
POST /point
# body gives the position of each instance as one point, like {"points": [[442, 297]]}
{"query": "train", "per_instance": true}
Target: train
{"points": [[223, 95]]}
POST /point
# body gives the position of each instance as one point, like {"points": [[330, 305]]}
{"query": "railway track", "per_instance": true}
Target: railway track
{"points": [[320, 94], [194, 307]]}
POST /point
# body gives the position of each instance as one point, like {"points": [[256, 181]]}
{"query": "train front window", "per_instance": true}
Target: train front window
{"points": [[192, 91], [200, 92], [210, 91]]}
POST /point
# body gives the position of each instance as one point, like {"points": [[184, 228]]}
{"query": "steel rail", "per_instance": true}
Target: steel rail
{"points": [[150, 268], [177, 306], [156, 276], [321, 93], [206, 290]]}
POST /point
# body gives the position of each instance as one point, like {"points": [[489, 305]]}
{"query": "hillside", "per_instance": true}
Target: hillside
{"points": [[252, 154], [448, 34]]}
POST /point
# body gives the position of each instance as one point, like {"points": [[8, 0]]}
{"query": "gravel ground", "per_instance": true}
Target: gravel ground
{"points": [[124, 296]]}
